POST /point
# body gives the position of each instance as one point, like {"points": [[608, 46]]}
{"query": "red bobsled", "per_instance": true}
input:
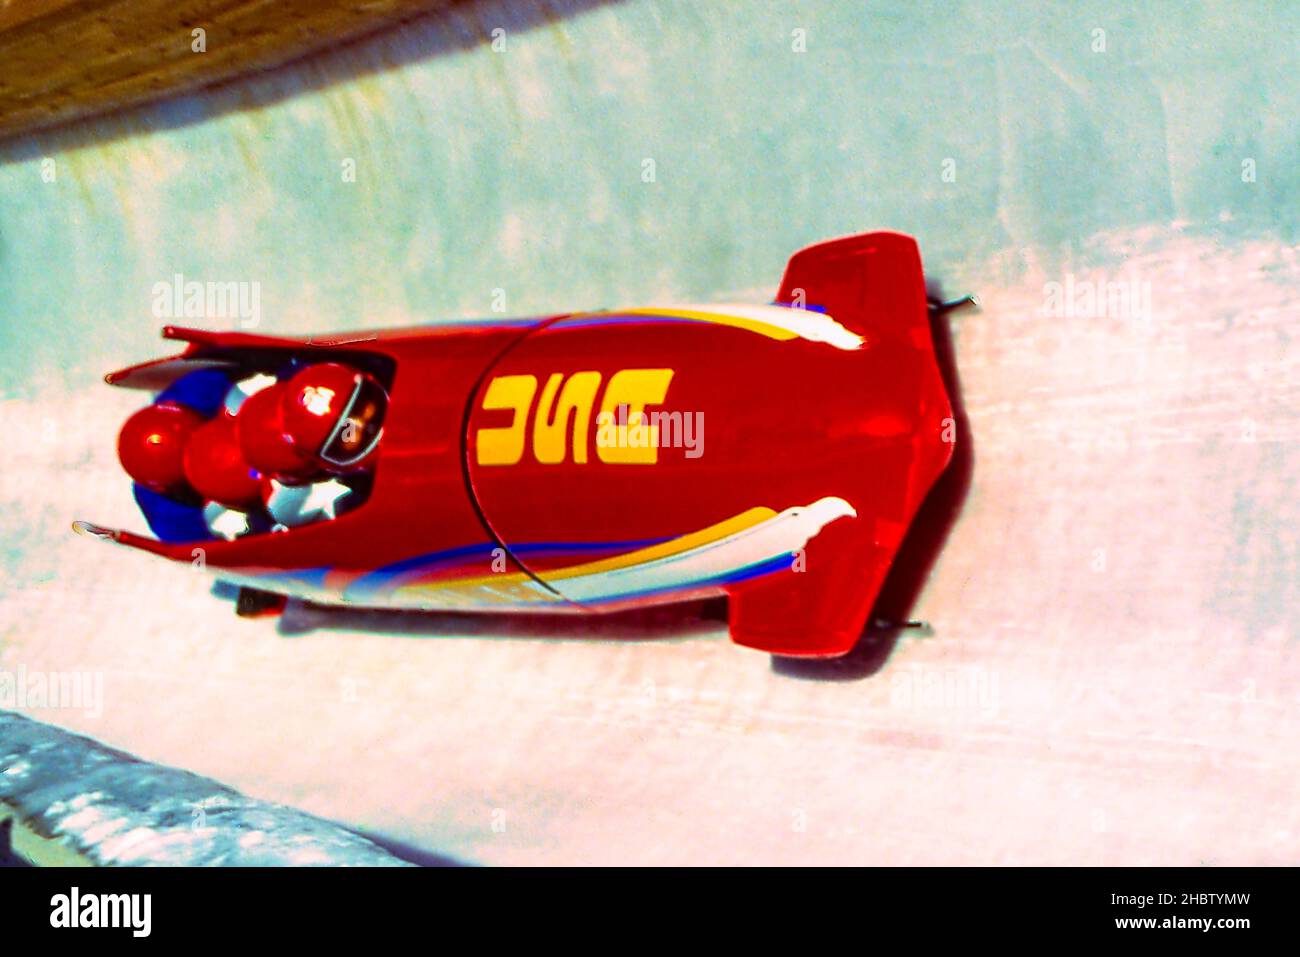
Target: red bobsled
{"points": [[588, 462]]}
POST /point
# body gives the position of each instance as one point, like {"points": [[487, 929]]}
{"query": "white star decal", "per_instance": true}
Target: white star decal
{"points": [[226, 522], [325, 497], [294, 505]]}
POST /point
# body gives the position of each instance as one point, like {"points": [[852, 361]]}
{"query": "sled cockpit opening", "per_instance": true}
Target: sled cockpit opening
{"points": [[241, 442]]}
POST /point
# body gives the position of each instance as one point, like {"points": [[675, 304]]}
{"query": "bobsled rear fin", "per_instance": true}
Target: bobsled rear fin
{"points": [[870, 283], [819, 608]]}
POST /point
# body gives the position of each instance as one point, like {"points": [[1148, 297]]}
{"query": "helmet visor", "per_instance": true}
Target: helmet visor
{"points": [[359, 427]]}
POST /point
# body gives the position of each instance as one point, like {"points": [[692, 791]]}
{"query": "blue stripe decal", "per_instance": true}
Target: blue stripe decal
{"points": [[808, 307], [586, 322], [409, 569], [308, 577], [620, 320], [393, 576], [757, 570]]}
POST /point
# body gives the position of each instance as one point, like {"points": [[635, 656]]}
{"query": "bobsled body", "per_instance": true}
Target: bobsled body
{"points": [[591, 462]]}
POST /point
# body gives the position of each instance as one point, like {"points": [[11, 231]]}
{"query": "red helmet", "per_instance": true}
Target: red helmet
{"points": [[217, 468], [259, 425], [334, 415], [151, 445]]}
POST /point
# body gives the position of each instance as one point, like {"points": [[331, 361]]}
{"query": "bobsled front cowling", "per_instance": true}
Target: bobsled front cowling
{"points": [[589, 462], [418, 511]]}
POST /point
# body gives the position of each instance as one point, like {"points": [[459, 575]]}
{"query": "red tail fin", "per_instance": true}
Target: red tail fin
{"points": [[870, 283], [873, 285]]}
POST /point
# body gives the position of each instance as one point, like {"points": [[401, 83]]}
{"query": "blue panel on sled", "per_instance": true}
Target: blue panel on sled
{"points": [[170, 520], [203, 390]]}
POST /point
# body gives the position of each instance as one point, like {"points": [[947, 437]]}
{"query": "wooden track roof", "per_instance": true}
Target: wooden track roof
{"points": [[62, 60]]}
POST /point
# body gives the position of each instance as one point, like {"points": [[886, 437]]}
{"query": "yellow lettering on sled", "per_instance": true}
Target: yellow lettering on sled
{"points": [[562, 418]]}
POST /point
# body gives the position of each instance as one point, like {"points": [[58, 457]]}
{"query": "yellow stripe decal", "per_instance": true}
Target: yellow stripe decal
{"points": [[513, 586], [719, 319], [683, 543]]}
